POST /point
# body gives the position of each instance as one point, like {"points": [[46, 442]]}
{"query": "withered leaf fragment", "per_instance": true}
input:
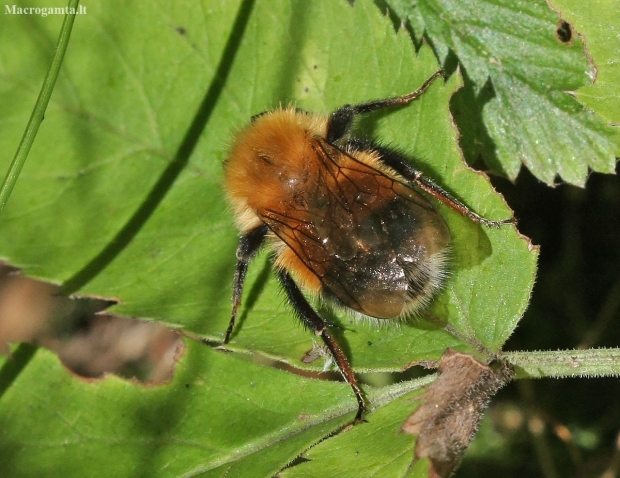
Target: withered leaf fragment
{"points": [[452, 407]]}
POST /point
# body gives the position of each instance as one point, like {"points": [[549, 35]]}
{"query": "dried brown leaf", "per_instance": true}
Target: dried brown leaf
{"points": [[452, 407]]}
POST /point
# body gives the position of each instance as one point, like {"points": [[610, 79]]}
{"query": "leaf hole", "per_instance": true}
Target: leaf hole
{"points": [[564, 32], [89, 342]]}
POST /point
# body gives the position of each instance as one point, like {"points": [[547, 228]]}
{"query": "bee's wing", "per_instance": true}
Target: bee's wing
{"points": [[357, 229]]}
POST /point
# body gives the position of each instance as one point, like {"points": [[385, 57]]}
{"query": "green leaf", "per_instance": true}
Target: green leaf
{"points": [[122, 198], [518, 107], [86, 192], [598, 22], [374, 449], [202, 422]]}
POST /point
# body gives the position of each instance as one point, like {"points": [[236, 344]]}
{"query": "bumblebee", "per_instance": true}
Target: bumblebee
{"points": [[343, 217]]}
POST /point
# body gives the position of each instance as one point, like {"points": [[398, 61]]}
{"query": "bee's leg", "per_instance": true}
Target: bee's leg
{"points": [[341, 119], [249, 244], [311, 319], [399, 164]]}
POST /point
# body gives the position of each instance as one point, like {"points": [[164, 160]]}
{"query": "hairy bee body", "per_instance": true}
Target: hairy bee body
{"points": [[343, 217], [348, 227]]}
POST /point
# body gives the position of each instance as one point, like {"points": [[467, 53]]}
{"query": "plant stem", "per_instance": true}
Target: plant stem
{"points": [[566, 363], [39, 108]]}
